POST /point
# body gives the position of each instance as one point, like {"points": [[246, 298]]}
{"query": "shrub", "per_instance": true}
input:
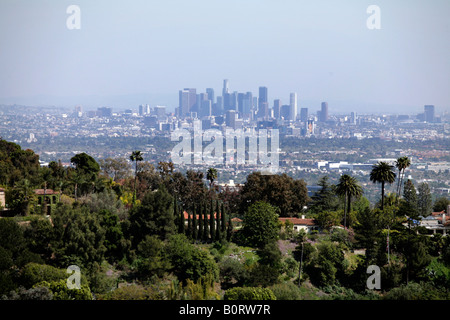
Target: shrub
{"points": [[249, 293]]}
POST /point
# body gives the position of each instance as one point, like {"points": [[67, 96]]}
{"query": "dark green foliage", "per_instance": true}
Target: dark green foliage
{"points": [[79, 237], [85, 164], [249, 293], [154, 216], [189, 261], [17, 164], [153, 260], [441, 204], [282, 191], [260, 224], [424, 200]]}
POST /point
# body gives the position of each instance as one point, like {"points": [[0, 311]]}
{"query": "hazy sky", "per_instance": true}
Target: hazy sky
{"points": [[132, 52]]}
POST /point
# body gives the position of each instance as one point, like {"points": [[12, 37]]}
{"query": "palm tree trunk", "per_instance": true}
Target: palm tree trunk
{"points": [[345, 209], [382, 195]]}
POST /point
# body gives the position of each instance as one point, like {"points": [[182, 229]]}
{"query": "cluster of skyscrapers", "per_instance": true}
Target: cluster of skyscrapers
{"points": [[235, 107]]}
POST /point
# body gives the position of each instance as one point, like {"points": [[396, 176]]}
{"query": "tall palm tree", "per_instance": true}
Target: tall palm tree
{"points": [[211, 175], [348, 187], [135, 156], [402, 163], [382, 172]]}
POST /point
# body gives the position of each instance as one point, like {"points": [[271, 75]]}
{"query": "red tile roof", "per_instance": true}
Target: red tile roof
{"points": [[298, 221], [47, 192]]}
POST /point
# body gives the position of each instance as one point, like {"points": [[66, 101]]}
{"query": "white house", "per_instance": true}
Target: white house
{"points": [[302, 223]]}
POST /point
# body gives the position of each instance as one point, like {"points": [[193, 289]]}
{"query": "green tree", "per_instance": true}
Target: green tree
{"points": [[260, 224], [249, 293], [280, 190], [189, 261], [348, 187], [325, 198], [402, 163], [382, 172], [22, 197], [408, 205], [211, 175], [85, 164], [154, 216], [441, 204], [135, 156], [153, 259], [79, 237], [368, 233], [424, 200]]}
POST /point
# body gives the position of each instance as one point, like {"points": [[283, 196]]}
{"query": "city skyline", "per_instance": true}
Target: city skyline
{"points": [[128, 54]]}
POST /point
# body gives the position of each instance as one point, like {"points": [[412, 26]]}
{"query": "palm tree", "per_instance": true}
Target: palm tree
{"points": [[382, 172], [402, 163], [348, 187], [211, 175], [135, 156]]}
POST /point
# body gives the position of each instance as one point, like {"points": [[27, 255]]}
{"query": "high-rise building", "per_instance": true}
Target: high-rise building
{"points": [[324, 112], [225, 88], [230, 118], [205, 108], [210, 94], [104, 112], [353, 117], [141, 110], [187, 101], [263, 95], [304, 114], [160, 112], [285, 111], [217, 109], [277, 108], [293, 107], [429, 113]]}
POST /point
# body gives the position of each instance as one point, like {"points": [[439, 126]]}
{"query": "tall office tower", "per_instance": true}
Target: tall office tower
{"points": [[230, 118], [429, 113], [263, 95], [285, 111], [217, 109], [324, 112], [141, 109], [187, 101], [263, 110], [293, 109], [160, 112], [263, 103], [233, 101], [277, 108], [353, 117], [210, 93], [304, 114], [205, 108], [240, 102], [225, 88], [147, 109]]}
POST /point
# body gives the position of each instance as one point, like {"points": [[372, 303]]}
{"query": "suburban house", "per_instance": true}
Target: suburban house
{"points": [[302, 223], [437, 222], [48, 198]]}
